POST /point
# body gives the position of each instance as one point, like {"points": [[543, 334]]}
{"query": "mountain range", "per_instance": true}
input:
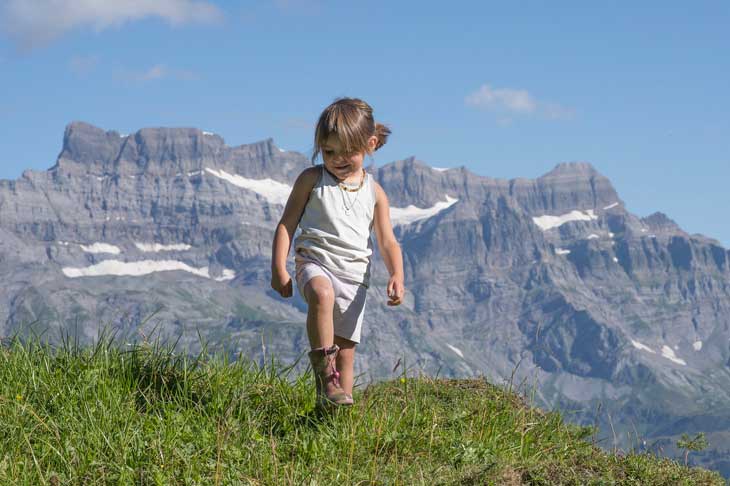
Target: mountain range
{"points": [[550, 284]]}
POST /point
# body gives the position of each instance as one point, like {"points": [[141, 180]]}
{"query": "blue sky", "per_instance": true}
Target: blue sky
{"points": [[507, 89]]}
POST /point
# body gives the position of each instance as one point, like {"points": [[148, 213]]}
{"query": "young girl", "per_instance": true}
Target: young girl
{"points": [[336, 204]]}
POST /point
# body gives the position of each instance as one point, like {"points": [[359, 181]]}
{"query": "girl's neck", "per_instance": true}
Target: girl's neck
{"points": [[350, 180]]}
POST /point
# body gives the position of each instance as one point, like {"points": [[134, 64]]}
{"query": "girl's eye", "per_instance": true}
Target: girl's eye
{"points": [[331, 153]]}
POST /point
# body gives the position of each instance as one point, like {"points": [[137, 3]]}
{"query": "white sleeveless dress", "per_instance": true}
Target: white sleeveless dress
{"points": [[334, 234]]}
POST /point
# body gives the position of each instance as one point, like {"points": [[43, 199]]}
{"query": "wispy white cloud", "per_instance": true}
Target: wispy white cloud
{"points": [[32, 23], [513, 100], [156, 72], [509, 102]]}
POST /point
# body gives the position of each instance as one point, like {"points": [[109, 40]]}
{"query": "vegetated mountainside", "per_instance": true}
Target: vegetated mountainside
{"points": [[551, 281]]}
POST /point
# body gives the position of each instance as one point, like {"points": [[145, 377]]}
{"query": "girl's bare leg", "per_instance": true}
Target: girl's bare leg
{"points": [[345, 362], [320, 301]]}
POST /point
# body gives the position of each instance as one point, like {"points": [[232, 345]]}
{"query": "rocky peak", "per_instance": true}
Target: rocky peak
{"points": [[660, 221], [411, 181], [163, 150], [567, 187], [572, 169], [86, 144]]}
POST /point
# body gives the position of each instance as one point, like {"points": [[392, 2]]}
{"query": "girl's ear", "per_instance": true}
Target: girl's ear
{"points": [[372, 143]]}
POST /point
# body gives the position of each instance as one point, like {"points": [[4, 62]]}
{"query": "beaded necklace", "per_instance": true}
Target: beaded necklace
{"points": [[346, 189]]}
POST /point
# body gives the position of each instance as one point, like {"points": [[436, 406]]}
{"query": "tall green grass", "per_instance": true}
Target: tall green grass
{"points": [[142, 414]]}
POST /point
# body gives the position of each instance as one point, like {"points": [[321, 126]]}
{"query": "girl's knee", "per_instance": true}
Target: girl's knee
{"points": [[319, 291]]}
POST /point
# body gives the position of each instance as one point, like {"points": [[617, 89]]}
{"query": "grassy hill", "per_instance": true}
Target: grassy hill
{"points": [[141, 414]]}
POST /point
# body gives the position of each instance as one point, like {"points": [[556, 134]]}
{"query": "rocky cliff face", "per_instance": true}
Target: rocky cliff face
{"points": [[549, 282]]}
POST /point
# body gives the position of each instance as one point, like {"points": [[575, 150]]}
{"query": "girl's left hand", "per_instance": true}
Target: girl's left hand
{"points": [[396, 290]]}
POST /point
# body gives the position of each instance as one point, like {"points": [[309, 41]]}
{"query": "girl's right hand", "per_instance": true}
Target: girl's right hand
{"points": [[281, 282]]}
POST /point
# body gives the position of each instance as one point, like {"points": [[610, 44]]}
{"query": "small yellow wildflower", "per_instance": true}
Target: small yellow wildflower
{"points": [[19, 397], [402, 380]]}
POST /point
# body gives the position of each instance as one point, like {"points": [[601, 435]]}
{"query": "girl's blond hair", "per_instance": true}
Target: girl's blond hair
{"points": [[352, 122]]}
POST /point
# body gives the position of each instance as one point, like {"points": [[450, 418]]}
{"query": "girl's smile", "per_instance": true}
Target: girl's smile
{"points": [[347, 167]]}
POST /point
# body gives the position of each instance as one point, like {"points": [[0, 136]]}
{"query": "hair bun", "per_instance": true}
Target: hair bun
{"points": [[382, 132]]}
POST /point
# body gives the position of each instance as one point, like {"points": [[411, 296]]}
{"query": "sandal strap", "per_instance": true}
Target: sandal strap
{"points": [[331, 360]]}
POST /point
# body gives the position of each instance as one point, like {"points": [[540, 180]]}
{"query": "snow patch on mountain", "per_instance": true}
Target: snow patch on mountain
{"points": [[639, 345], [158, 247], [456, 350], [273, 191], [668, 353], [411, 213], [101, 248], [548, 221], [139, 268]]}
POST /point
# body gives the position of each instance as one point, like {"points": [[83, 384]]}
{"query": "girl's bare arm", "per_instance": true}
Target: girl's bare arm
{"points": [[287, 226], [389, 247]]}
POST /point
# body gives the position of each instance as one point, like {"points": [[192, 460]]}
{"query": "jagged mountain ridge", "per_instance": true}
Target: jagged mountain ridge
{"points": [[550, 275]]}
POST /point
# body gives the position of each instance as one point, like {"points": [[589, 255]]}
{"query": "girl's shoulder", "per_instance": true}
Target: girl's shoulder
{"points": [[309, 178], [377, 190]]}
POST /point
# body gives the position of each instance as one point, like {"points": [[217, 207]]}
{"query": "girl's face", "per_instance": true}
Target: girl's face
{"points": [[346, 167]]}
